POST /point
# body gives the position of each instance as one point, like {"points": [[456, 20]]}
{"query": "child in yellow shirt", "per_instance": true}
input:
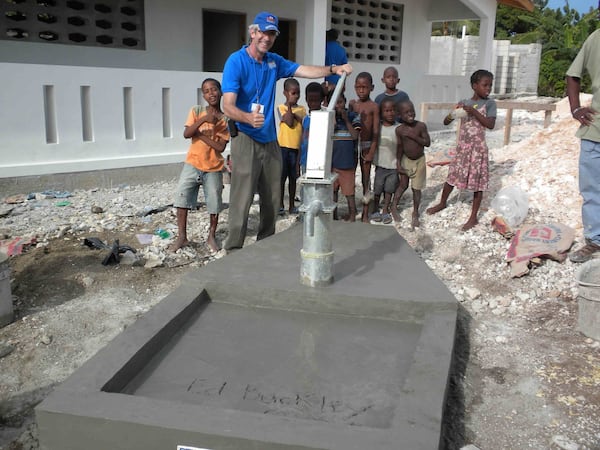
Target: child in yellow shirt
{"points": [[290, 137]]}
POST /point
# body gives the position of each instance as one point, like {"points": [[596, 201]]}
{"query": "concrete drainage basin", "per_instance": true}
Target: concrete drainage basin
{"points": [[243, 356]]}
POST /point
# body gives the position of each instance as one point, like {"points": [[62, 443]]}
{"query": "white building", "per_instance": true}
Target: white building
{"points": [[93, 85]]}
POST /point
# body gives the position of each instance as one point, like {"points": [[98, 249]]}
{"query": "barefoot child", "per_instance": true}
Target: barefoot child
{"points": [[469, 168], [412, 140], [386, 173], [369, 118], [344, 156], [204, 163], [290, 136]]}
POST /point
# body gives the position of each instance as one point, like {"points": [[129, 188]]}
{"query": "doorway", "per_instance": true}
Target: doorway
{"points": [[285, 44], [224, 33]]}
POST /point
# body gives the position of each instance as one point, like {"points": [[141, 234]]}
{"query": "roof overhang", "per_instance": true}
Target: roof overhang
{"points": [[521, 4]]}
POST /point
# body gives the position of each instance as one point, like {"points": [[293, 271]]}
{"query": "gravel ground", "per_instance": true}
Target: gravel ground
{"points": [[524, 376]]}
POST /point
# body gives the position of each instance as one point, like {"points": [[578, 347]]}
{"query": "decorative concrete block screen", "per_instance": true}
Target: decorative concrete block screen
{"points": [[369, 30], [106, 23]]}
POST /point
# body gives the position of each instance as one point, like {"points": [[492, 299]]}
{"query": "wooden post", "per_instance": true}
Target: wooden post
{"points": [[424, 112], [507, 125], [547, 118]]}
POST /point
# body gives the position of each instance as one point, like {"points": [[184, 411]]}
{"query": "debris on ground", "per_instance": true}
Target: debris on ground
{"points": [[16, 245], [550, 240]]}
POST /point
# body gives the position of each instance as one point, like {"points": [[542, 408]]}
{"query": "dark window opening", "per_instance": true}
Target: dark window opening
{"points": [[233, 32], [17, 16], [48, 35], [77, 37], [104, 24], [104, 39]]}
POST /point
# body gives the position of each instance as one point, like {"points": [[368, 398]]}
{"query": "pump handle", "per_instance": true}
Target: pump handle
{"points": [[336, 92]]}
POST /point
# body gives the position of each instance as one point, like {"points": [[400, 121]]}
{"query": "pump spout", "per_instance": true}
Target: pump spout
{"points": [[314, 209]]}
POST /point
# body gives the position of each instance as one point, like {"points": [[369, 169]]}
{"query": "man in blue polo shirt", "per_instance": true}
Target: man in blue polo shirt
{"points": [[249, 80], [334, 54]]}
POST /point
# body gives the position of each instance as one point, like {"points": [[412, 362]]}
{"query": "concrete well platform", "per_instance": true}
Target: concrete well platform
{"points": [[243, 356]]}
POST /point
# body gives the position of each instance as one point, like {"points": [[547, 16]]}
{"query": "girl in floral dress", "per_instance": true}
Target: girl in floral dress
{"points": [[469, 168]]}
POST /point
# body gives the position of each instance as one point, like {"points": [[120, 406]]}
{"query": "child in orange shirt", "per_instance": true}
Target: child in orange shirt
{"points": [[207, 128]]}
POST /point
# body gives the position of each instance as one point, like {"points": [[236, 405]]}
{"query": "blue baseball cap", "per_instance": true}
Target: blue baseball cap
{"points": [[266, 21]]}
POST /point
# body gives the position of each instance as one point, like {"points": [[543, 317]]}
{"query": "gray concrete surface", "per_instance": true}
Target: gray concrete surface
{"points": [[243, 356], [107, 178]]}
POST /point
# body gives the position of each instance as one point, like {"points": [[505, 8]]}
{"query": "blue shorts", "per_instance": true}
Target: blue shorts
{"points": [[289, 160], [189, 185]]}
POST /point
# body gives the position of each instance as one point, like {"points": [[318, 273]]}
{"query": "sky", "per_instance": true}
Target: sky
{"points": [[583, 6]]}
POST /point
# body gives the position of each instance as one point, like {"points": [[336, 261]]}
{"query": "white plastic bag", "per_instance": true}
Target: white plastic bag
{"points": [[512, 203], [458, 113]]}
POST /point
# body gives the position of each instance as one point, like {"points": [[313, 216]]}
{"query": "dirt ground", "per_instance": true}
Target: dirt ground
{"points": [[523, 376], [67, 306], [49, 276]]}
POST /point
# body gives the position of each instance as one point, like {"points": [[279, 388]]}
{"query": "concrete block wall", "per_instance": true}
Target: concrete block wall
{"points": [[470, 58], [528, 67], [515, 67]]}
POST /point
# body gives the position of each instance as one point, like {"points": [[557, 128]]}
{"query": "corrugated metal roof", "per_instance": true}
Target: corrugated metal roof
{"points": [[521, 4]]}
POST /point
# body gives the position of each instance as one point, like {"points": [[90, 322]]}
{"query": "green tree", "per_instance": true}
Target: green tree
{"points": [[561, 33]]}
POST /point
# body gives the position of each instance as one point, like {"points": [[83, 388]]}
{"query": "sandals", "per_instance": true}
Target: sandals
{"points": [[376, 217]]}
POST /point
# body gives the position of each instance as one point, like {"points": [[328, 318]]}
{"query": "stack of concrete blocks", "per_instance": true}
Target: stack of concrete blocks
{"points": [[443, 59], [527, 68], [469, 58], [515, 67], [501, 68]]}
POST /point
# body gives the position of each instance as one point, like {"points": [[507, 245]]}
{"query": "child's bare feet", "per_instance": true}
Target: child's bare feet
{"points": [[349, 218], [470, 224], [365, 214], [212, 244], [435, 209], [179, 243], [415, 221], [395, 215]]}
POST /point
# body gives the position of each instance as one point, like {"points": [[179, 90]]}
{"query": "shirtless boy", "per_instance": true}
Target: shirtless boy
{"points": [[412, 139], [369, 118]]}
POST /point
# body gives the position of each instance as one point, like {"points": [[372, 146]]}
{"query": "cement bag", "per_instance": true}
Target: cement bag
{"points": [[550, 240], [511, 203]]}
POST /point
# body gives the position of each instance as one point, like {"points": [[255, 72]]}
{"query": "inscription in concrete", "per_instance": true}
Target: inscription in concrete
{"points": [[284, 363]]}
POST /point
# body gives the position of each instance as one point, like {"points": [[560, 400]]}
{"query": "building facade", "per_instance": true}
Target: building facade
{"points": [[91, 85]]}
